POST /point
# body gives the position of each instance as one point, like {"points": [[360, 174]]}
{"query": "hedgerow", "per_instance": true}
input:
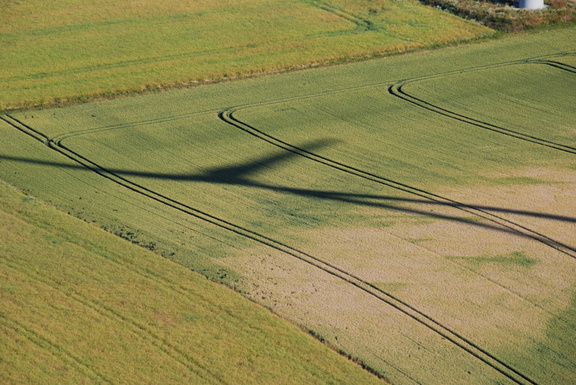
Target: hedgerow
{"points": [[503, 15]]}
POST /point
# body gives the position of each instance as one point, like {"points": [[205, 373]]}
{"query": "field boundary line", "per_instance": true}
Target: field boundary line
{"points": [[147, 273], [388, 84], [413, 313]]}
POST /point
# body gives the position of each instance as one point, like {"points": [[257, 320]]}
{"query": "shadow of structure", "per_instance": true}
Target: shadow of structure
{"points": [[240, 175]]}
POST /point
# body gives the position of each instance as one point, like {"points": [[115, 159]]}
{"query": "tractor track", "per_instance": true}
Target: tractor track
{"points": [[387, 84], [362, 25], [141, 331], [408, 310], [227, 115], [53, 348], [398, 91], [147, 122], [118, 65]]}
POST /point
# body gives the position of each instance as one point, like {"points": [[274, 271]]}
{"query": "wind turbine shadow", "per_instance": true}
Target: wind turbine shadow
{"points": [[243, 175], [240, 173]]}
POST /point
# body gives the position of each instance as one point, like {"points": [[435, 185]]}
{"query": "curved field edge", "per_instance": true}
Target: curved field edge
{"points": [[53, 56], [79, 304]]}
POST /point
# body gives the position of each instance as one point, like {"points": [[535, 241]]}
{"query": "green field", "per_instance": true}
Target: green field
{"points": [[59, 52], [80, 305], [414, 211]]}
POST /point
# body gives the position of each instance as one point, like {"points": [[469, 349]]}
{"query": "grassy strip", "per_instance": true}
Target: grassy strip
{"points": [[79, 304], [62, 52]]}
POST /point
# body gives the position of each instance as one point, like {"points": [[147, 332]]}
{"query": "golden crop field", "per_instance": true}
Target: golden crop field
{"points": [[79, 305]]}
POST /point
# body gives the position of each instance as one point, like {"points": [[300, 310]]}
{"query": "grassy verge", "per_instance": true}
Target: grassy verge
{"points": [[80, 305], [62, 52]]}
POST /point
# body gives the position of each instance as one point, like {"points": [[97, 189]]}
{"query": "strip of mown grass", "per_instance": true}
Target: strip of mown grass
{"points": [[65, 51], [79, 305]]}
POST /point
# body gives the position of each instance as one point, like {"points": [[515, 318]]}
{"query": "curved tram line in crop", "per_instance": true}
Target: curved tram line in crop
{"points": [[405, 308], [398, 91], [500, 222], [113, 127], [395, 89]]}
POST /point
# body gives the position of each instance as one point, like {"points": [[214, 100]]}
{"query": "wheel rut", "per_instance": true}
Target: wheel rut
{"points": [[395, 88], [451, 336]]}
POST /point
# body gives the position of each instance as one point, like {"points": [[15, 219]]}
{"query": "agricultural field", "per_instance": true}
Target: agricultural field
{"points": [[65, 51], [416, 212], [80, 306]]}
